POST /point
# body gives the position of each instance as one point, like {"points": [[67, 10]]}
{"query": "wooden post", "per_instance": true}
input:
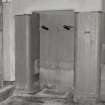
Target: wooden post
{"points": [[27, 51], [88, 54], [8, 43]]}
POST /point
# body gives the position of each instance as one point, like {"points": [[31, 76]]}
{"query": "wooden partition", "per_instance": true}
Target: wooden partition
{"points": [[88, 55], [102, 71], [53, 38], [48, 38], [57, 38], [27, 44]]}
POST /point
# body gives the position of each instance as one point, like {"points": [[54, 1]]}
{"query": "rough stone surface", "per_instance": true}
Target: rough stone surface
{"points": [[7, 99], [6, 92], [18, 100], [32, 101]]}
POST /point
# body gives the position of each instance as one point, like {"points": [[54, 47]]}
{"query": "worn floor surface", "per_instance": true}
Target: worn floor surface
{"points": [[33, 101]]}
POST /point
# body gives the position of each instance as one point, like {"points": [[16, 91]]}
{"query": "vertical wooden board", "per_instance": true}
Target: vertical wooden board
{"points": [[65, 38], [57, 40], [102, 84], [88, 52], [45, 39], [27, 50], [20, 51], [1, 18], [1, 58], [47, 49], [8, 43], [65, 47], [1, 51], [58, 48], [34, 51]]}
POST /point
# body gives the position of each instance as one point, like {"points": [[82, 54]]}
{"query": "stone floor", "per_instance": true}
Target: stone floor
{"points": [[32, 101], [17, 100]]}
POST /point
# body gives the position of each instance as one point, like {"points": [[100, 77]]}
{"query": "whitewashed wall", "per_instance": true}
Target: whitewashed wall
{"points": [[8, 43], [24, 6]]}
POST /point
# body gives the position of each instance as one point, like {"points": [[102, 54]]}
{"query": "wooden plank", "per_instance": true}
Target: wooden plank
{"points": [[102, 67], [88, 56], [27, 50], [57, 49], [8, 43]]}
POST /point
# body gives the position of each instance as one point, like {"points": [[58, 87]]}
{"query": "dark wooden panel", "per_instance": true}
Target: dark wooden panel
{"points": [[88, 53], [102, 71], [20, 50], [27, 41], [57, 49]]}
